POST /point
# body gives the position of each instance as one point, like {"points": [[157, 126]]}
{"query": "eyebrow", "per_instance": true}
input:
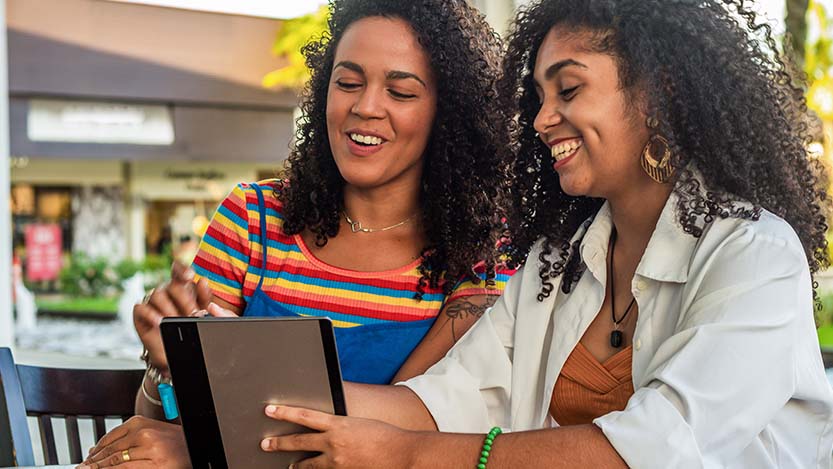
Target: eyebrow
{"points": [[553, 69], [392, 75]]}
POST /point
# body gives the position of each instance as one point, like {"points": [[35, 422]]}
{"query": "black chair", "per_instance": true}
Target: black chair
{"points": [[58, 392]]}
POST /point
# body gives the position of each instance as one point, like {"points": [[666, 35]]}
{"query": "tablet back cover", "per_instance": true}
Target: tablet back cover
{"points": [[252, 363]]}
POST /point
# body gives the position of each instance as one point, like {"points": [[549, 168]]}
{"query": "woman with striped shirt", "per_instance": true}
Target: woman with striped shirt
{"points": [[388, 219]]}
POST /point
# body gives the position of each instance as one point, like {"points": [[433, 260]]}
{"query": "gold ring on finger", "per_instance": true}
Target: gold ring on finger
{"points": [[125, 455]]}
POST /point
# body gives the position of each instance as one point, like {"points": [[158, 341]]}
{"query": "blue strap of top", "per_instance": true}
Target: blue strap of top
{"points": [[261, 208], [370, 353]]}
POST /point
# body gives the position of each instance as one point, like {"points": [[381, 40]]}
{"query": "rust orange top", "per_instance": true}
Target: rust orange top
{"points": [[587, 389]]}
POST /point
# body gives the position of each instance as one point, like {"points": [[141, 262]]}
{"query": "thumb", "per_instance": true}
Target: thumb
{"points": [[219, 312]]}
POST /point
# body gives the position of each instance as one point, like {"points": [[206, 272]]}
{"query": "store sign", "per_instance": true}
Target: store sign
{"points": [[43, 252], [96, 122]]}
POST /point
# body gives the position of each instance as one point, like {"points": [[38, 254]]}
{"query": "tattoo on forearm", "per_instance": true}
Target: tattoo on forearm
{"points": [[464, 308]]}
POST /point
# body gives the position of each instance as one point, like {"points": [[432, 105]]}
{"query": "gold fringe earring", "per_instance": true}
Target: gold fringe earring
{"points": [[658, 169]]}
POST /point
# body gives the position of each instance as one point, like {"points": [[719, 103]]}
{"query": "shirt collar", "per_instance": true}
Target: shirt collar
{"points": [[666, 257]]}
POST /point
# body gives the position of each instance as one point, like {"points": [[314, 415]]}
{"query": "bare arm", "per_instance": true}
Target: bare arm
{"points": [[396, 405], [362, 442], [557, 448], [453, 321]]}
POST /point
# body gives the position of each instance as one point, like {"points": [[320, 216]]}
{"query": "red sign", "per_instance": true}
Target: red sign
{"points": [[43, 252]]}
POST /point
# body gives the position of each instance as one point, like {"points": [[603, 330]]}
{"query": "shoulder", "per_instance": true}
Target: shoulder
{"points": [[743, 268], [245, 195], [767, 242]]}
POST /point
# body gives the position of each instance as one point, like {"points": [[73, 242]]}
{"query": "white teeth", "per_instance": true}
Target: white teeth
{"points": [[565, 149], [366, 139]]}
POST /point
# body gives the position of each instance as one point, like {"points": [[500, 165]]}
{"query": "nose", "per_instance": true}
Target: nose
{"points": [[547, 118], [369, 104]]}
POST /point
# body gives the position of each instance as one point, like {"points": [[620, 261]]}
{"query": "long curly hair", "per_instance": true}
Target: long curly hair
{"points": [[724, 98], [465, 176]]}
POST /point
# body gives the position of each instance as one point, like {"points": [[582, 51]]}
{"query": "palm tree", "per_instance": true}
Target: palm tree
{"points": [[796, 22]]}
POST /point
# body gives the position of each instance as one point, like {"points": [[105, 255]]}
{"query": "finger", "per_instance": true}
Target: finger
{"points": [[294, 442], [138, 455], [164, 305], [204, 294], [109, 451], [309, 418], [140, 464], [183, 296], [317, 462], [148, 316], [219, 312], [113, 437], [181, 273]]}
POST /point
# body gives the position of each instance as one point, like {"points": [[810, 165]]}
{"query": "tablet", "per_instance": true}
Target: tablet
{"points": [[226, 370]]}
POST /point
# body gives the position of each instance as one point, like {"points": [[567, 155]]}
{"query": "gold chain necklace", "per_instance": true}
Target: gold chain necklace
{"points": [[356, 226]]}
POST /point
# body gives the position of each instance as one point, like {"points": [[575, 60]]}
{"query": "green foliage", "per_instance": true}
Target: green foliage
{"points": [[291, 37], [825, 316], [86, 277], [83, 277], [824, 319], [127, 268], [104, 306], [818, 61]]}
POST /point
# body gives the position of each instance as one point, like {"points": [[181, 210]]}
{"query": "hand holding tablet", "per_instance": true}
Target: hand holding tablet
{"points": [[226, 371]]}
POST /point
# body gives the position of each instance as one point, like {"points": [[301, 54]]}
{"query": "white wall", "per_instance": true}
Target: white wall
{"points": [[499, 13], [6, 319]]}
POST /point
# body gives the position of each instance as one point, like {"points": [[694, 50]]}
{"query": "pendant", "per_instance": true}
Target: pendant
{"points": [[616, 339], [356, 226]]}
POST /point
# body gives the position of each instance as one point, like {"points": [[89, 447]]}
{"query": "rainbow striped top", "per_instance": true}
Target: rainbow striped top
{"points": [[303, 284]]}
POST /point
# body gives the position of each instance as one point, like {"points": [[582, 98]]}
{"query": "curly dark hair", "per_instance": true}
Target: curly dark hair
{"points": [[725, 100], [467, 157]]}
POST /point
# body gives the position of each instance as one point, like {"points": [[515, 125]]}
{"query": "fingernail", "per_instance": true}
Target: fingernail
{"points": [[188, 274], [264, 444], [82, 467], [271, 409]]}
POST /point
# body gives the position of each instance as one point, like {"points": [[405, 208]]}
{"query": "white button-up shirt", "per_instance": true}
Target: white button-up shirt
{"points": [[726, 364]]}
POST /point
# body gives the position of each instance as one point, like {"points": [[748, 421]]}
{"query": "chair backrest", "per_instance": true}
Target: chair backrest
{"points": [[61, 392]]}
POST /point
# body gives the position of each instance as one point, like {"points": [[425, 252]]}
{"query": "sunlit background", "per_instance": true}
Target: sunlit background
{"points": [[129, 122], [276, 9]]}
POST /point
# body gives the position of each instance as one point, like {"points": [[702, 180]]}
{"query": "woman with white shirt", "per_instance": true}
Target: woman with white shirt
{"points": [[664, 318]]}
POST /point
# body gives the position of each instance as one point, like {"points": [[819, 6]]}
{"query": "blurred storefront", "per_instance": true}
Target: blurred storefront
{"points": [[130, 122]]}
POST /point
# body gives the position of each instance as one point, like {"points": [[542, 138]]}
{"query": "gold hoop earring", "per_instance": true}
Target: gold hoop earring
{"points": [[658, 169]]}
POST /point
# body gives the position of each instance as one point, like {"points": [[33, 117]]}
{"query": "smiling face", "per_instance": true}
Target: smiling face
{"points": [[381, 103], [594, 135]]}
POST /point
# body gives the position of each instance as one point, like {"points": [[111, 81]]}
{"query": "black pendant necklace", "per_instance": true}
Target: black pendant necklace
{"points": [[616, 336]]}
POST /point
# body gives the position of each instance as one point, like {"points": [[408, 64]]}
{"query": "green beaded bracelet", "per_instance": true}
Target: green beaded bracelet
{"points": [[487, 447]]}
